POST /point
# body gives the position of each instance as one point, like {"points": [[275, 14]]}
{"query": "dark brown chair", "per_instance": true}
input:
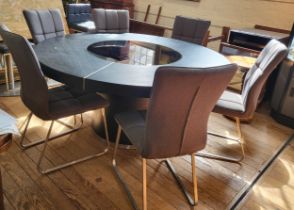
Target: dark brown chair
{"points": [[242, 106], [51, 104], [176, 122], [190, 30]]}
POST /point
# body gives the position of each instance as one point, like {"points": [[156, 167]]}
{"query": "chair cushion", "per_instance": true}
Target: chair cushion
{"points": [[230, 103], [64, 102], [3, 48], [133, 125], [87, 26]]}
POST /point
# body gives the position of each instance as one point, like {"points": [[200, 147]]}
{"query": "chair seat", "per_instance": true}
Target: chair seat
{"points": [[87, 26], [64, 102], [3, 49], [133, 125], [230, 103]]}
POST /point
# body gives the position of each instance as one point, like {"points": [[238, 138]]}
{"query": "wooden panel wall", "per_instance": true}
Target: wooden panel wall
{"points": [[11, 12]]}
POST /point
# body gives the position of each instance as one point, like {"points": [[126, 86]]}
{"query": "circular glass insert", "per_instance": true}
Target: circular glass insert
{"points": [[134, 52]]}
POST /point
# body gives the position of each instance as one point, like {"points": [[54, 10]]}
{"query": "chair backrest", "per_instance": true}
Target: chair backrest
{"points": [[111, 21], [273, 53], [44, 24], [34, 89], [181, 101], [191, 30], [77, 13]]}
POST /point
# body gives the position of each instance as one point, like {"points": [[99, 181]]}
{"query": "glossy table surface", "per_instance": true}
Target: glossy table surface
{"points": [[68, 60]]}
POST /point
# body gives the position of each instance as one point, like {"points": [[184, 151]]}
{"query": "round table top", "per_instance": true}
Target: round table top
{"points": [[68, 60]]}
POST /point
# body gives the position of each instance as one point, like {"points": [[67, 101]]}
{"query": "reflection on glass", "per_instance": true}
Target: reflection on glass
{"points": [[135, 53]]}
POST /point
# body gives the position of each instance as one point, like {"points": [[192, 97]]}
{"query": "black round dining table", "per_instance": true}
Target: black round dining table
{"points": [[120, 66]]}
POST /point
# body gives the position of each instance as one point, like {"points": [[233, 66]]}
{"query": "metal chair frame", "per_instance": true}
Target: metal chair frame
{"points": [[193, 200], [49, 138], [239, 140]]}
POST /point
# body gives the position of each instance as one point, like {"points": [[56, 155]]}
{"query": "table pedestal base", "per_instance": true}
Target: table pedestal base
{"points": [[118, 104]]}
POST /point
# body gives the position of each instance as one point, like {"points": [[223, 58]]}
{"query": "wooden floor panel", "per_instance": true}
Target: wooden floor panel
{"points": [[92, 184], [275, 190]]}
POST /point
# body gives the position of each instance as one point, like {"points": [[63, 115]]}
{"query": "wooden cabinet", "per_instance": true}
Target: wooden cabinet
{"points": [[114, 4]]}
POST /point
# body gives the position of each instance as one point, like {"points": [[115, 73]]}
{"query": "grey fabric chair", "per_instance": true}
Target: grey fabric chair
{"points": [[111, 21], [243, 106], [48, 104], [176, 121], [190, 30], [79, 17], [44, 24]]}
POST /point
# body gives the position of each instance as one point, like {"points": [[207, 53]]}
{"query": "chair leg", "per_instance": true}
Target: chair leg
{"points": [[144, 172], [194, 177], [192, 201], [70, 163], [37, 142], [105, 127], [239, 140], [24, 122], [5, 70], [118, 174], [44, 148], [9, 70]]}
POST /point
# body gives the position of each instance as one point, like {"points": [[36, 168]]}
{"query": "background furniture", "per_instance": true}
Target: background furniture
{"points": [[44, 24], [249, 41], [7, 64], [111, 21], [114, 4], [127, 86], [146, 28], [242, 106], [283, 101], [79, 17], [51, 104], [191, 30], [136, 26], [185, 120], [244, 63], [254, 38]]}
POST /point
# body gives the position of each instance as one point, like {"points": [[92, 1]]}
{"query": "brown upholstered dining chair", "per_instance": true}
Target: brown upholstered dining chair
{"points": [[190, 30], [44, 24], [48, 104], [176, 121], [242, 106], [111, 21]]}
